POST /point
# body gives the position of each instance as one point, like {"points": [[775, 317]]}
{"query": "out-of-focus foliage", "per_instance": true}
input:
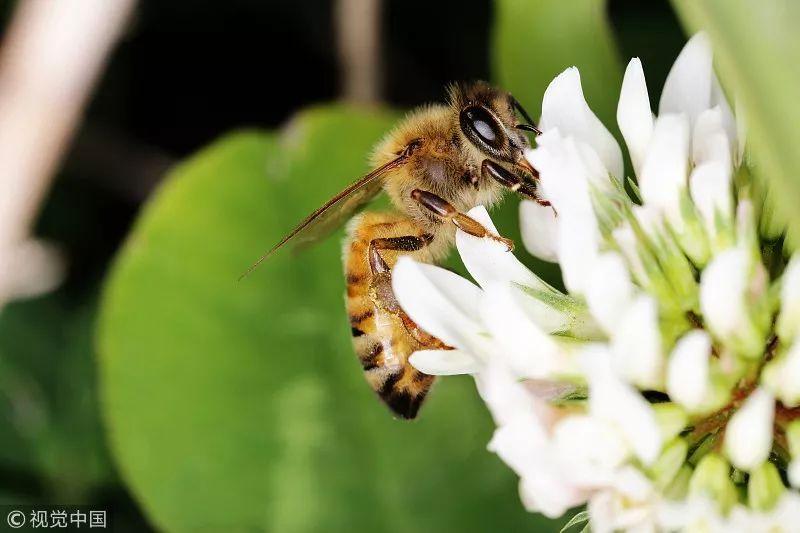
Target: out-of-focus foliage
{"points": [[240, 406], [536, 40], [757, 51], [49, 413]]}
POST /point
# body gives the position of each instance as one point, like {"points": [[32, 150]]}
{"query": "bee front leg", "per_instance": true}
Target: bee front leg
{"points": [[490, 169], [447, 211]]}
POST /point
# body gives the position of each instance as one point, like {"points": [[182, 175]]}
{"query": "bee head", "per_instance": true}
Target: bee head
{"points": [[493, 121]]}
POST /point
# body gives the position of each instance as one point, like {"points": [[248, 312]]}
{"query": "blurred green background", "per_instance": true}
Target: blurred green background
{"points": [[154, 384]]}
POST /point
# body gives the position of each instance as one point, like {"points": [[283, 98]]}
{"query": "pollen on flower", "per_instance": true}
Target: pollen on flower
{"points": [[662, 390]]}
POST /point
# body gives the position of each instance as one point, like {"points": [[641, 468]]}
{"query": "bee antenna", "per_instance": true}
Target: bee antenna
{"points": [[529, 127], [530, 123]]}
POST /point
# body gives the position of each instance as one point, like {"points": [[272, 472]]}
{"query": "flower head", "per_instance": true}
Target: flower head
{"points": [[662, 389]]}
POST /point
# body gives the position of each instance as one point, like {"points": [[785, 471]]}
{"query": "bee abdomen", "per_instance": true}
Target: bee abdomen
{"points": [[405, 390], [381, 340]]}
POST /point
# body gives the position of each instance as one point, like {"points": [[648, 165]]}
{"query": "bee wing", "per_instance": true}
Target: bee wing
{"points": [[326, 219]]}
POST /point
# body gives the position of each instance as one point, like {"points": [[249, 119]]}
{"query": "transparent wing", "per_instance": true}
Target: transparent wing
{"points": [[334, 213]]}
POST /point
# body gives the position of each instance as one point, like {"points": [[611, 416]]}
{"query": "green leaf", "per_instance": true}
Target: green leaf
{"points": [[241, 406], [757, 51], [534, 41]]}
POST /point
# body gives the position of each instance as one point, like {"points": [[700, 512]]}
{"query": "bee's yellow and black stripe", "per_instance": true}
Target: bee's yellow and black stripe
{"points": [[381, 336]]}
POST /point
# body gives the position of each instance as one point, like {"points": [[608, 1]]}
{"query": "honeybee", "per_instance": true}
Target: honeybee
{"points": [[437, 163]]}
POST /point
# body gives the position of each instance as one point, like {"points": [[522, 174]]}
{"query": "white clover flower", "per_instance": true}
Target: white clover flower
{"points": [[662, 390]]}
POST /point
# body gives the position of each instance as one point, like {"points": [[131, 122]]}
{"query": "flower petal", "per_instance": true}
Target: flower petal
{"points": [[445, 362], [528, 350], [710, 140], [789, 318], [688, 370], [610, 290], [634, 116], [725, 291], [539, 226], [748, 437], [665, 168], [782, 376], [687, 88], [546, 493], [620, 404], [589, 450], [564, 107], [440, 302], [710, 186], [636, 345], [488, 261], [729, 122]]}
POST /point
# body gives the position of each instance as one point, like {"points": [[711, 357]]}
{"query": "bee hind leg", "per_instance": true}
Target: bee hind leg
{"points": [[381, 285], [441, 207]]}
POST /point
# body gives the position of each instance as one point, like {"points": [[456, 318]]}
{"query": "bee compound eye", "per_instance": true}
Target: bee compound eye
{"points": [[482, 128]]}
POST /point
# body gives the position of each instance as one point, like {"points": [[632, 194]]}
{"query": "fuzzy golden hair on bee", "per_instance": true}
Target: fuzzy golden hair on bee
{"points": [[438, 162]]}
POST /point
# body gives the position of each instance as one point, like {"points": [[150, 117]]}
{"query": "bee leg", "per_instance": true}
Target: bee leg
{"points": [[381, 286], [444, 209], [490, 169]]}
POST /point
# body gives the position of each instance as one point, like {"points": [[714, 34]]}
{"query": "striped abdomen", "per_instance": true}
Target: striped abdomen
{"points": [[383, 336]]}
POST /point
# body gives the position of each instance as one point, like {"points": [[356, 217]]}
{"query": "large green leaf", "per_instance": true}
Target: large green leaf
{"points": [[534, 40], [757, 51], [240, 406]]}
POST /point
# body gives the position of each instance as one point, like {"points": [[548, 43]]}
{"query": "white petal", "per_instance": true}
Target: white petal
{"points": [[578, 244], [688, 370], [565, 181], [509, 400], [488, 260], [589, 450], [721, 292], [789, 317], [539, 226], [711, 191], [610, 290], [710, 140], [526, 348], [445, 362], [620, 404], [665, 169], [627, 241], [440, 302], [634, 116], [687, 88], [782, 376], [748, 436], [729, 122], [794, 472], [650, 219], [636, 345], [563, 175], [546, 493], [727, 286], [565, 108]]}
